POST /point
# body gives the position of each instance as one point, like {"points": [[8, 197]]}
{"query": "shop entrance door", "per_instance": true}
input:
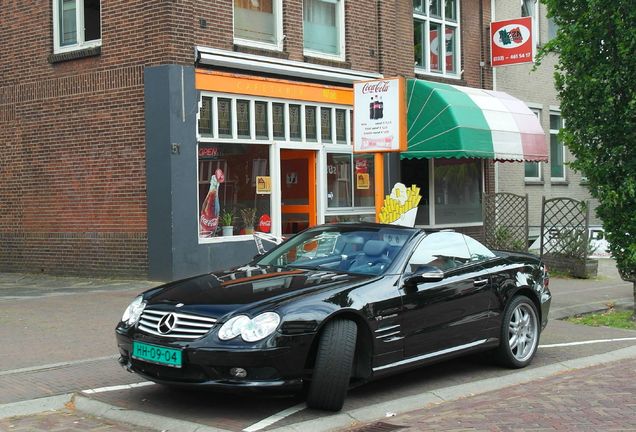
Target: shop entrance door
{"points": [[298, 190]]}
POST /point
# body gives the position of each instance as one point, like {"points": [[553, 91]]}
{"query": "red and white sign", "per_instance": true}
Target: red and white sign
{"points": [[265, 223], [511, 41], [379, 113]]}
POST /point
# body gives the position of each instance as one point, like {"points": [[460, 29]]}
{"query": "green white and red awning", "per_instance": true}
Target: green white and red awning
{"points": [[450, 121]]}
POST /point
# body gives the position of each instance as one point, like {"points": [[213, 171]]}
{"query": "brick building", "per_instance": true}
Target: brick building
{"points": [[117, 117]]}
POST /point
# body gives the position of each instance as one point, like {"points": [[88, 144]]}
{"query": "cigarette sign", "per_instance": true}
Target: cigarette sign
{"points": [[511, 41]]}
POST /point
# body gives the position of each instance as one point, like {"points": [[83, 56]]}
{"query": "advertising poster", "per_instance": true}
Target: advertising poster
{"points": [[511, 41], [379, 115]]}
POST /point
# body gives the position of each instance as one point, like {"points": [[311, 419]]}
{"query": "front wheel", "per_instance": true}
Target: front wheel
{"points": [[519, 333], [332, 370]]}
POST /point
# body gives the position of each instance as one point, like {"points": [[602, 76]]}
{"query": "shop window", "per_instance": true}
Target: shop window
{"points": [[341, 126], [350, 187], [457, 191], [278, 120], [76, 24], [435, 37], [243, 118], [258, 23], [310, 123], [323, 28], [262, 123], [325, 125], [205, 117], [295, 125], [229, 174], [557, 150], [457, 188], [224, 109]]}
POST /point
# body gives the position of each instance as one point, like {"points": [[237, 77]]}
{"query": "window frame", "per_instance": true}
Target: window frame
{"points": [[555, 132], [340, 22], [539, 177], [277, 10], [535, 25], [426, 19], [80, 30]]}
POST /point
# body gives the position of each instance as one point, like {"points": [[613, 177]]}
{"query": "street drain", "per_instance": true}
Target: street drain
{"points": [[379, 427]]}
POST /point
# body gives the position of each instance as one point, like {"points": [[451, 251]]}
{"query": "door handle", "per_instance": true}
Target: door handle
{"points": [[480, 282]]}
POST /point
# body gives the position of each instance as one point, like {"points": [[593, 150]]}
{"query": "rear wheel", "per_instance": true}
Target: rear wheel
{"points": [[332, 369], [519, 333]]}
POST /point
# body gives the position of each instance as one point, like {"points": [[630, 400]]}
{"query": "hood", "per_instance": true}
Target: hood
{"points": [[217, 294]]}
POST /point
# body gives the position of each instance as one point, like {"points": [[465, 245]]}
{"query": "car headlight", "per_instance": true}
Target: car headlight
{"points": [[133, 311], [251, 330]]}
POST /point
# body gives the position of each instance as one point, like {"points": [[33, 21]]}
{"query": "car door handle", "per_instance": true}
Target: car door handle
{"points": [[480, 282]]}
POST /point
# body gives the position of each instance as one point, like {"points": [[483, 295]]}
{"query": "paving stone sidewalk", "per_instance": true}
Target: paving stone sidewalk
{"points": [[598, 398], [65, 420]]}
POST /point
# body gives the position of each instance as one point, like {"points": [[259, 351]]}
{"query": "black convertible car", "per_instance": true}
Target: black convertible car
{"points": [[337, 305]]}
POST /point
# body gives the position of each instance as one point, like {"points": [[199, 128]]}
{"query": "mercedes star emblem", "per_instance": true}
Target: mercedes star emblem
{"points": [[167, 323]]}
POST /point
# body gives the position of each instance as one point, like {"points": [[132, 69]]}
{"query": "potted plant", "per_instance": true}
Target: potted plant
{"points": [[248, 215], [227, 219]]}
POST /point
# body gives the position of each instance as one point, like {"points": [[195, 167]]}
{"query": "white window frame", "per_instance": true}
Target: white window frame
{"points": [[277, 9], [340, 22], [555, 132], [79, 19], [535, 26], [427, 19], [539, 176]]}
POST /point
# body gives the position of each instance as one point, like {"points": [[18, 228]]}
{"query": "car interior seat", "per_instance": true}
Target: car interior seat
{"points": [[373, 259]]}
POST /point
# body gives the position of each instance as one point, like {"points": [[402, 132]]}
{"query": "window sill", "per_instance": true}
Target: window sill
{"points": [[534, 182], [253, 47], [74, 55], [424, 73], [559, 182]]}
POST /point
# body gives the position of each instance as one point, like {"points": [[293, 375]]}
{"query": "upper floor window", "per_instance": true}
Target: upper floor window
{"points": [[76, 24], [557, 150], [258, 23], [435, 54], [323, 28], [530, 8], [532, 170]]}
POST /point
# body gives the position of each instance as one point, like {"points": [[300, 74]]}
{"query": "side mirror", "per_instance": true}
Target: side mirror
{"points": [[424, 273]]}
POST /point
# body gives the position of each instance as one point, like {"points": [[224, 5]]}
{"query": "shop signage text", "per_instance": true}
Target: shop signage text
{"points": [[511, 41]]}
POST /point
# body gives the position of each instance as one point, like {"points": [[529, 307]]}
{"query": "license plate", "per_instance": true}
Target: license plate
{"points": [[157, 354]]}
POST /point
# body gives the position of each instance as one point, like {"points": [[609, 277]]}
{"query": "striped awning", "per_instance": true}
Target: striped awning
{"points": [[450, 121]]}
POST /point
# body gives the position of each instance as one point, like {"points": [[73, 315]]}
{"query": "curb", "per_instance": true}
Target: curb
{"points": [[367, 414], [35, 406]]}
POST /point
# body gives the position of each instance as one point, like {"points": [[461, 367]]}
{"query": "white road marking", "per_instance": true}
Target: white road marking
{"points": [[587, 342], [57, 365], [274, 418], [117, 387]]}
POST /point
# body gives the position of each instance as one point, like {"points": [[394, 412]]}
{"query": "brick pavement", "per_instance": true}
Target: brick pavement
{"points": [[67, 420], [598, 398]]}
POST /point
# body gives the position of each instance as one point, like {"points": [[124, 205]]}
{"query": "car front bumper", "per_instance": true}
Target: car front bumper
{"points": [[280, 368]]}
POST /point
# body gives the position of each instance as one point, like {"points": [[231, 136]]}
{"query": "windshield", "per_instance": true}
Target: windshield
{"points": [[351, 249]]}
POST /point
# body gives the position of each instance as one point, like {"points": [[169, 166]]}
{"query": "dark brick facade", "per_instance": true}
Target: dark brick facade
{"points": [[72, 169]]}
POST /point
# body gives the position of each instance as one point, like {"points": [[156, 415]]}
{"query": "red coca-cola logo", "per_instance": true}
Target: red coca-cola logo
{"points": [[375, 87], [265, 223]]}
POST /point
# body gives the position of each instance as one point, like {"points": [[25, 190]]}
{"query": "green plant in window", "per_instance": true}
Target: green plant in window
{"points": [[248, 215], [227, 218]]}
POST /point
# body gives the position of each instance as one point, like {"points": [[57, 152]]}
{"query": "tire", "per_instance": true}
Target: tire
{"points": [[520, 333], [332, 369]]}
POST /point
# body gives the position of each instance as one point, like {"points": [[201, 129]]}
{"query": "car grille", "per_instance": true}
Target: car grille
{"points": [[178, 326]]}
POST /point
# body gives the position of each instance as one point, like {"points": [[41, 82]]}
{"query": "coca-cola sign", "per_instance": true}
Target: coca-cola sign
{"points": [[379, 116]]}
